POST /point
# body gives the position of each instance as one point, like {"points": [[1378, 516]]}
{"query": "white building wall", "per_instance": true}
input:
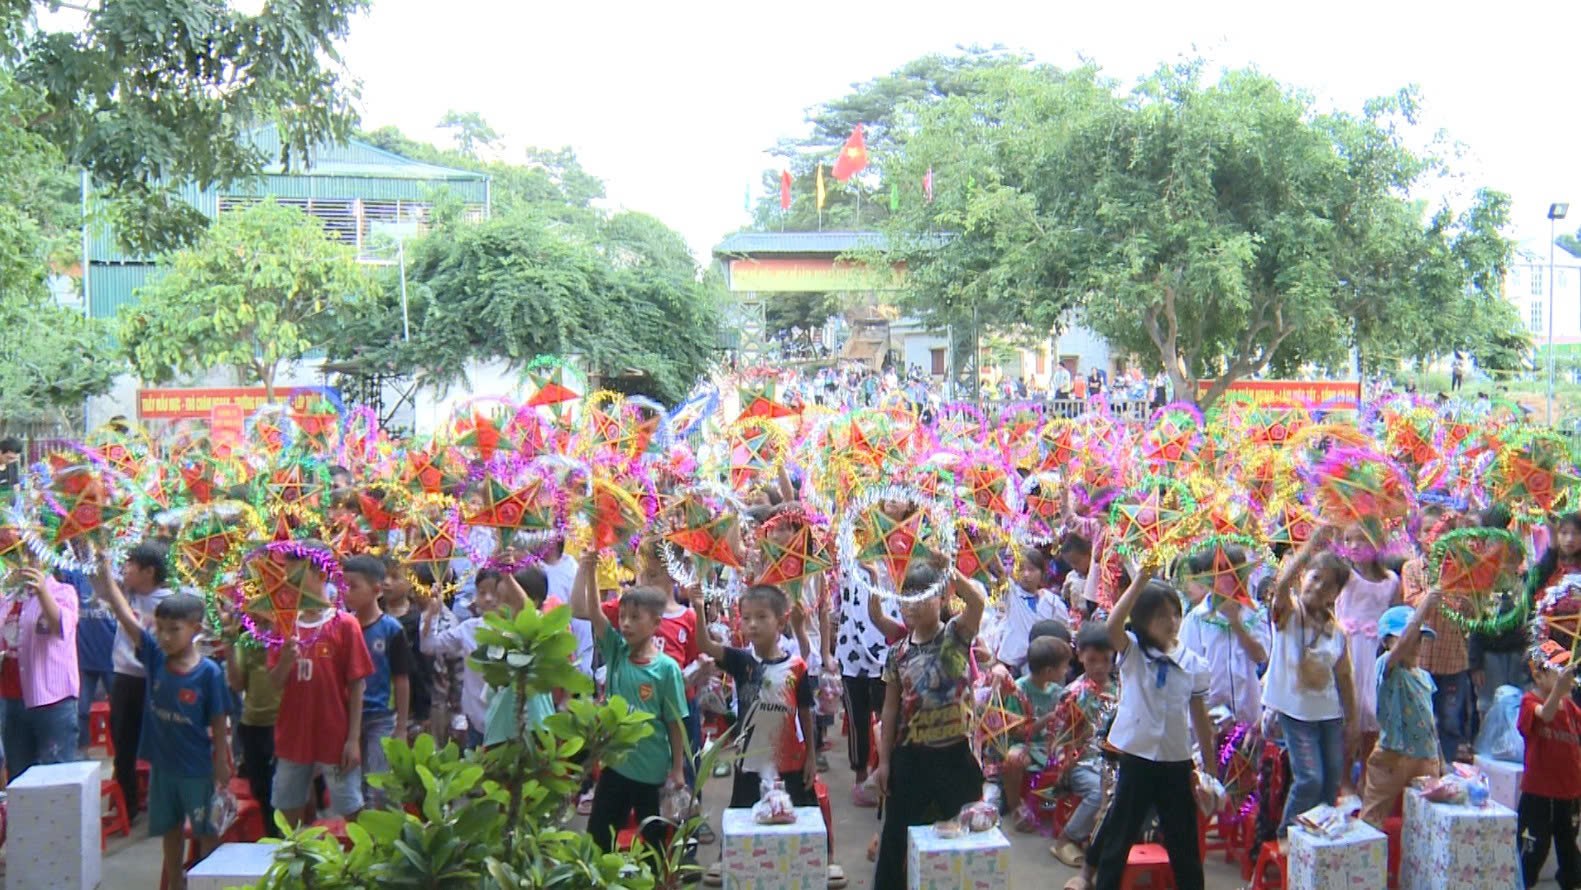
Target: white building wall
{"points": [[1526, 288]]}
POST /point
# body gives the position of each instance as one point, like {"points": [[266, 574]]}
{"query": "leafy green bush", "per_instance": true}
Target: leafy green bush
{"points": [[493, 820]]}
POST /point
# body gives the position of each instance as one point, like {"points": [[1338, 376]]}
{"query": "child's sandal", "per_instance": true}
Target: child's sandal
{"points": [[837, 879]]}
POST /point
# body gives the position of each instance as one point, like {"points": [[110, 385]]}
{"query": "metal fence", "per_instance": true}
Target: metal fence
{"points": [[1137, 410]]}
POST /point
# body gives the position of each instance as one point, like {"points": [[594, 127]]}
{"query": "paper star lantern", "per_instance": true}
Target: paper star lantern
{"points": [[613, 516], [557, 390], [88, 503], [295, 485], [1290, 522], [280, 582], [1559, 615], [1225, 578], [428, 471], [1353, 485], [1240, 758], [13, 546], [1476, 562], [761, 402], [1173, 438], [1532, 474], [1153, 520], [704, 531], [892, 543], [988, 487], [1059, 443], [978, 546], [757, 451], [431, 539], [996, 726], [209, 541], [480, 434], [788, 566], [374, 512], [529, 505], [318, 423]]}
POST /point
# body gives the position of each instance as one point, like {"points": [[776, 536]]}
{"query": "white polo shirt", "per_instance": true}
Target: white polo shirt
{"points": [[1153, 718]]}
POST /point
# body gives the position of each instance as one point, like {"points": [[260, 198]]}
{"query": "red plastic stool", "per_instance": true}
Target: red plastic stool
{"points": [[114, 820], [1391, 829], [1268, 857], [144, 769], [822, 792], [1151, 861], [99, 727]]}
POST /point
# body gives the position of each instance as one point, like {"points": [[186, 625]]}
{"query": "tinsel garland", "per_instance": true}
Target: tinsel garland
{"points": [[322, 560]]}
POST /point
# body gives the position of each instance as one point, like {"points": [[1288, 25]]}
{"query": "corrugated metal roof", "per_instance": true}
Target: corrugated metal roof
{"points": [[749, 243], [354, 158]]}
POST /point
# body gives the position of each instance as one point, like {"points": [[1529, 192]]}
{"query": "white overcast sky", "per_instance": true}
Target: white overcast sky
{"points": [[674, 104]]}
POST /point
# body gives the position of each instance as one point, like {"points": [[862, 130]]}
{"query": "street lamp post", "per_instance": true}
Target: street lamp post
{"points": [[1556, 212]]}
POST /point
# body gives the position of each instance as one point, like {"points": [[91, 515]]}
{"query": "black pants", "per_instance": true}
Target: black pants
{"points": [[126, 728], [747, 788], [1541, 821], [864, 697], [258, 767], [1142, 785], [614, 798], [925, 786]]}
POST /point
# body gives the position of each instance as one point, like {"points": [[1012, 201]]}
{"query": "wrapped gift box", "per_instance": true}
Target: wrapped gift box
{"points": [[231, 866], [52, 817], [1356, 860], [974, 860], [775, 857], [1455, 845], [1504, 779]]}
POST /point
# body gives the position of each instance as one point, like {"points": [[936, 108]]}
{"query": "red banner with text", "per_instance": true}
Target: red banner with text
{"points": [[1335, 393]]}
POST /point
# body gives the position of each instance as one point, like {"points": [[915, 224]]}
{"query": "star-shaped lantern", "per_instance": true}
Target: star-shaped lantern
{"points": [[761, 402], [1154, 519], [1532, 474], [757, 448], [977, 549], [431, 539], [893, 543], [613, 516], [988, 487], [555, 390], [1226, 579], [317, 421], [528, 506], [428, 471], [278, 588], [704, 532], [480, 434], [788, 566], [205, 545], [88, 502], [996, 725], [1477, 563], [1353, 485]]}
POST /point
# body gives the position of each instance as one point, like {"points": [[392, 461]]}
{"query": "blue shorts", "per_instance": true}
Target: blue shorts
{"points": [[175, 800], [293, 783]]}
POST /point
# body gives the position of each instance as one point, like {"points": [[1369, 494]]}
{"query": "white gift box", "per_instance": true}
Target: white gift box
{"points": [[774, 857], [1504, 779], [973, 860], [52, 819], [1356, 860], [1457, 845], [231, 866]]}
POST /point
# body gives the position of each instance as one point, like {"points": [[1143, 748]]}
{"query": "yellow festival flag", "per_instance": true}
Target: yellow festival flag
{"points": [[820, 186]]}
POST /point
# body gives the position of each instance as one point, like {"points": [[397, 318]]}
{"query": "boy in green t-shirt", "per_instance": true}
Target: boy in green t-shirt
{"points": [[648, 680]]}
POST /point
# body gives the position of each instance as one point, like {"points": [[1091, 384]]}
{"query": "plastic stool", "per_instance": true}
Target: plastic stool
{"points": [[1391, 829], [1268, 857], [114, 820], [1151, 861], [99, 727]]}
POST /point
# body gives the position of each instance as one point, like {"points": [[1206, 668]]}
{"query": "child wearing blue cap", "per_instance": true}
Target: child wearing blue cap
{"points": [[1407, 730]]}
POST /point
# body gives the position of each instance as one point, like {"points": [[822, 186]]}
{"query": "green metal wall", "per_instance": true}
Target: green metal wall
{"points": [[110, 286]]}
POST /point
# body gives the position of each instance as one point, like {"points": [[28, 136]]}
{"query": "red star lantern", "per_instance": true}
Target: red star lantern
{"points": [[279, 590], [977, 550], [482, 435], [988, 485], [430, 540], [705, 534], [613, 516], [530, 506], [1476, 563], [893, 544], [761, 403], [427, 472], [789, 566], [557, 391], [88, 503]]}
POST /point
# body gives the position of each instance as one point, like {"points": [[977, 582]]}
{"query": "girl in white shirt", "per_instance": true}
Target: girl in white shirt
{"points": [[1232, 638], [1161, 682], [1308, 684]]}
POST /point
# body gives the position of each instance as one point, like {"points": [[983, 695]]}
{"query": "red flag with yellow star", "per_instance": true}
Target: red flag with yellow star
{"points": [[853, 157]]}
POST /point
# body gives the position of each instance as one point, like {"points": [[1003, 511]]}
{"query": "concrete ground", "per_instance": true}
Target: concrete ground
{"points": [[134, 864]]}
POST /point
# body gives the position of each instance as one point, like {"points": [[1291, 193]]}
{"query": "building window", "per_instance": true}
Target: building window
{"points": [[937, 355], [1537, 317], [1537, 281]]}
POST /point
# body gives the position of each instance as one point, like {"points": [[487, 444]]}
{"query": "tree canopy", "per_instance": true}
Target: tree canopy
{"points": [[549, 274], [150, 94], [264, 286], [1217, 228]]}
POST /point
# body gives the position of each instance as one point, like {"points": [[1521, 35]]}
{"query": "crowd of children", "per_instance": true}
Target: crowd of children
{"points": [[1352, 667]]}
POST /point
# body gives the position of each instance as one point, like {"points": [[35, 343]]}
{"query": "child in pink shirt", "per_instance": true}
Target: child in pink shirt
{"points": [[44, 729]]}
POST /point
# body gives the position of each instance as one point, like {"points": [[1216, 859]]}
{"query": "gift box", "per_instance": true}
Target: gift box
{"points": [[775, 857], [1457, 845], [1504, 779], [1358, 859], [973, 860], [52, 822], [231, 866]]}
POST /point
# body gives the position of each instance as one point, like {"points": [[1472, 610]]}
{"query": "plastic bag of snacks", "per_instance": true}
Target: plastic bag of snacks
{"points": [[1209, 793], [830, 694], [222, 810], [774, 806], [675, 802], [979, 816]]}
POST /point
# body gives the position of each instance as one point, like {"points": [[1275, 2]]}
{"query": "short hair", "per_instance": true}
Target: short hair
{"points": [[1047, 652], [1074, 543], [1332, 565], [180, 607], [768, 595], [1495, 516], [486, 575], [367, 566], [533, 582], [1094, 635], [423, 574], [11, 445], [1049, 627], [921, 576], [1202, 562], [649, 599], [154, 556]]}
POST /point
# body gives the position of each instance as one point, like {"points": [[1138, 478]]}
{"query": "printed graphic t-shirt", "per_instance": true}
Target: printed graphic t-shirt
{"points": [[177, 711], [312, 724], [1553, 758], [768, 694], [934, 681]]}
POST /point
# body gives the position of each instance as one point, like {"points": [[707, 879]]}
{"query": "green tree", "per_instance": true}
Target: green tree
{"points": [[263, 286], [1222, 228], [150, 94], [807, 310], [471, 131], [885, 107], [51, 357]]}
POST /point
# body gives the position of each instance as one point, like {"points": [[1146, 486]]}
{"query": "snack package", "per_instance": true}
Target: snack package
{"points": [[992, 795], [1445, 789], [830, 695], [774, 805], [947, 828], [1323, 821], [1209, 792], [675, 803], [979, 816], [222, 810]]}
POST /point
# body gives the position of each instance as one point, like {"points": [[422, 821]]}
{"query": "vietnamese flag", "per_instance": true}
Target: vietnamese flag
{"points": [[785, 186], [853, 157]]}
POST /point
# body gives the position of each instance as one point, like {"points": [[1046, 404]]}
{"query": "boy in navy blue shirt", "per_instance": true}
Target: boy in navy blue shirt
{"points": [[392, 667], [184, 730]]}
